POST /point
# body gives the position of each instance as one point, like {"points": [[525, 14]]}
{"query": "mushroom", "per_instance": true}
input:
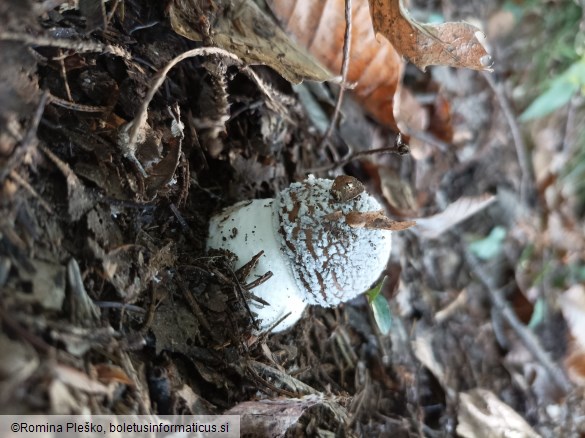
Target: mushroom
{"points": [[324, 241]]}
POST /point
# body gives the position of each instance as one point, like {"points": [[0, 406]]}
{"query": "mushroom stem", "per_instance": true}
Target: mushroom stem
{"points": [[245, 229]]}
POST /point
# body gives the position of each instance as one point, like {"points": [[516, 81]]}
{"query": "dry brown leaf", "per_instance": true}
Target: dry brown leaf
{"points": [[282, 417], [375, 220], [451, 44], [463, 208], [78, 197], [107, 373], [398, 193], [483, 415], [422, 347], [244, 30], [374, 65], [575, 364], [572, 303]]}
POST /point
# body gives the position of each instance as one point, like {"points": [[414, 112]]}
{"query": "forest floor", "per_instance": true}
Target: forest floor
{"points": [[111, 303]]}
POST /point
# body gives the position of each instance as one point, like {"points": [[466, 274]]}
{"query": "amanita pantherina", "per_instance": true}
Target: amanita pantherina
{"points": [[324, 241]]}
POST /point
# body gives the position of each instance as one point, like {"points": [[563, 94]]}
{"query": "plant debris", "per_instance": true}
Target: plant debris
{"points": [[126, 126]]}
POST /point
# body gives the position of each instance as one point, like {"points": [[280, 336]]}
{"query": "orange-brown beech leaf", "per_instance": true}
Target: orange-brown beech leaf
{"points": [[375, 220], [107, 373], [452, 44], [374, 65], [241, 28]]}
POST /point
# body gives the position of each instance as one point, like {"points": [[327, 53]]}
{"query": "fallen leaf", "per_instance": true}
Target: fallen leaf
{"points": [[483, 415], [47, 282], [451, 44], [162, 172], [397, 192], [284, 416], [575, 364], [62, 399], [83, 311], [422, 347], [15, 367], [107, 373], [375, 220], [433, 226], [572, 303], [78, 197], [374, 65], [244, 30]]}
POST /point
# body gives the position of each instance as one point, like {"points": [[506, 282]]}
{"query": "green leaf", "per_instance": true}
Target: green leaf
{"points": [[489, 246], [382, 314], [555, 97], [380, 308], [538, 314], [559, 93], [375, 291]]}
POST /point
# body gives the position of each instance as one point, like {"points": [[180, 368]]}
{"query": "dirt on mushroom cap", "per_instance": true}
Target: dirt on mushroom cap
{"points": [[332, 261]]}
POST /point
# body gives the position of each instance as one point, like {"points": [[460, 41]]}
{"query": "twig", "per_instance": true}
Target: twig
{"points": [[397, 148], [118, 305], [293, 384], [568, 145], [526, 336], [79, 46], [195, 308], [76, 106], [429, 138], [344, 71], [150, 312], [64, 76], [240, 292], [253, 375], [131, 131], [110, 15], [260, 280], [12, 325], [28, 140], [25, 184], [527, 179]]}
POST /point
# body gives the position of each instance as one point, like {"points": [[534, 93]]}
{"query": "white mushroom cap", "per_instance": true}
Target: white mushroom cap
{"points": [[333, 261], [317, 251], [245, 229]]}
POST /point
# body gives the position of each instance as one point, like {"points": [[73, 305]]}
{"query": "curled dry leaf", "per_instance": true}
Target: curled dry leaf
{"points": [[284, 416], [375, 220], [108, 373], [434, 226], [374, 66], [483, 415], [244, 30], [572, 303], [451, 44], [371, 220]]}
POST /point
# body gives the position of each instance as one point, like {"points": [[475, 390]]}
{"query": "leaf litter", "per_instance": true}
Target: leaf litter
{"points": [[111, 300]]}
